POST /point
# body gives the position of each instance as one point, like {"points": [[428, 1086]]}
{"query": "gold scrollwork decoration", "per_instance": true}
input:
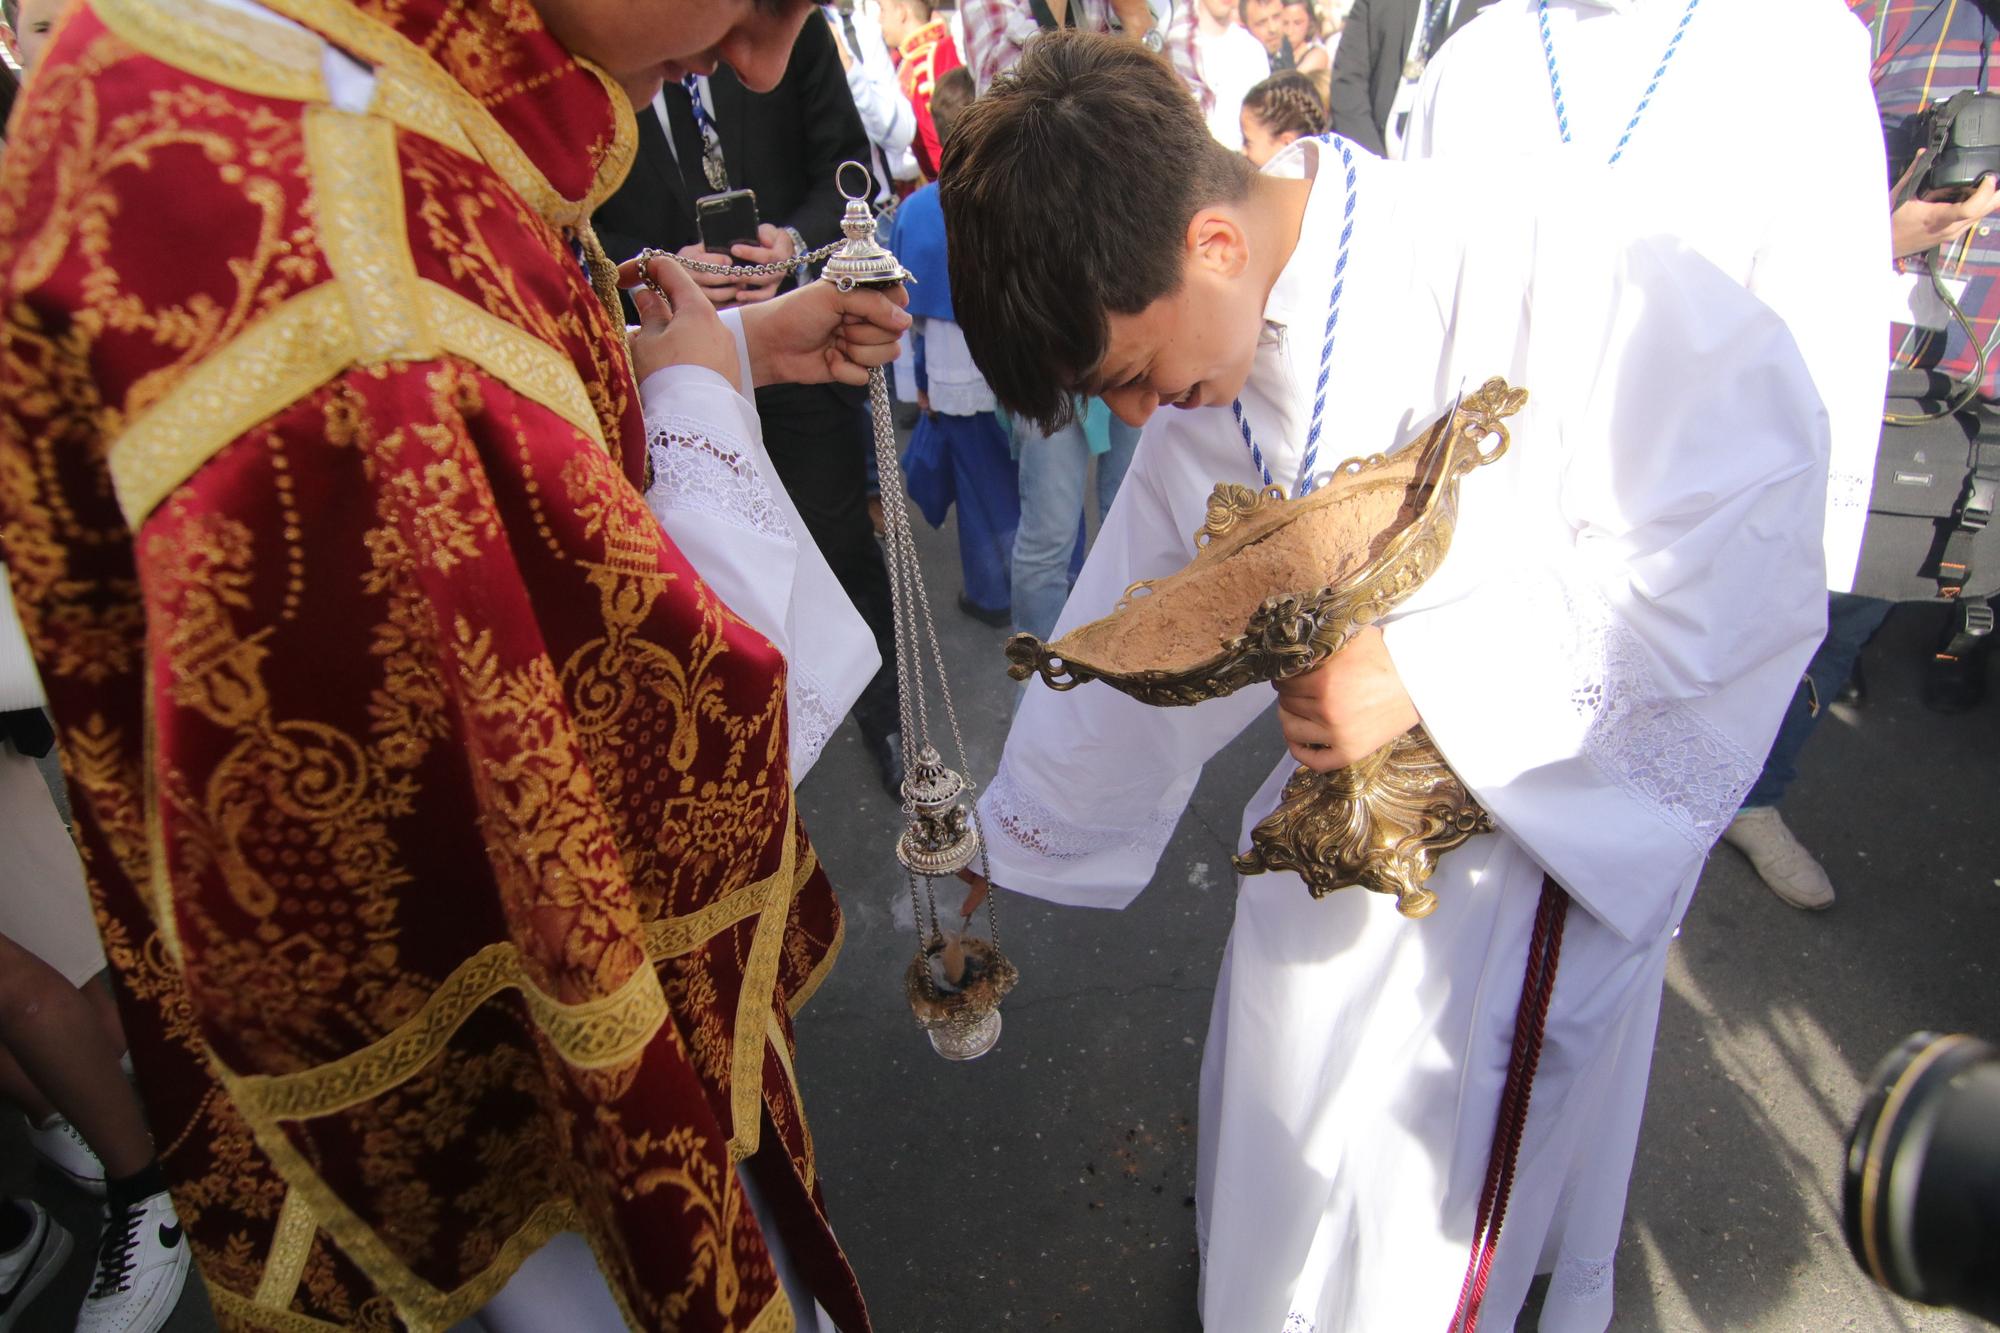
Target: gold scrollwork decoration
{"points": [[1381, 823]]}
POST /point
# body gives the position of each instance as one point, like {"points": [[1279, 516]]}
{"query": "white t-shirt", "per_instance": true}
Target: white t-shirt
{"points": [[1232, 62]]}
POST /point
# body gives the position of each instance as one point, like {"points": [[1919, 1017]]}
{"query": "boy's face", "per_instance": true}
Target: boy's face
{"points": [[644, 43], [1193, 347]]}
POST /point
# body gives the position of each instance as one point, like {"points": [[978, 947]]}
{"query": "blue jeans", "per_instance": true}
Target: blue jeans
{"points": [[1053, 472], [1851, 620]]}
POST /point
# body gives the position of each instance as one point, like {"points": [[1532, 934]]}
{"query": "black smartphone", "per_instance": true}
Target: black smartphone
{"points": [[726, 219]]}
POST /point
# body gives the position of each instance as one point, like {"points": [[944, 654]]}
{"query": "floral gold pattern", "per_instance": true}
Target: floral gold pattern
{"points": [[436, 814]]}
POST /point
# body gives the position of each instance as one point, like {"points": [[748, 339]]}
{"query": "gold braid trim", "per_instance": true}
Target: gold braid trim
{"points": [[776, 1317], [517, 359], [269, 59], [424, 1307], [753, 1003], [294, 349], [291, 1244], [282, 356], [240, 1312], [268, 1101], [415, 91], [357, 187], [593, 1035], [222, 46]]}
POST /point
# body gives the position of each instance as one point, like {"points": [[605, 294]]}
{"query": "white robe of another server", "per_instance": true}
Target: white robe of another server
{"points": [[1603, 657], [717, 495], [1778, 180]]}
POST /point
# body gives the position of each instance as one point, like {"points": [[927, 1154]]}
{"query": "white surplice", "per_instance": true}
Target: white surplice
{"points": [[717, 495], [1761, 148], [1603, 657]]}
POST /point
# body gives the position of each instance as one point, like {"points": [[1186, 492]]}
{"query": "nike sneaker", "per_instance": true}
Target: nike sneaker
{"points": [[142, 1265]]}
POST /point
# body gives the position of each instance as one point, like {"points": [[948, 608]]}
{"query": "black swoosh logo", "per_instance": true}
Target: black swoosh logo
{"points": [[170, 1236]]}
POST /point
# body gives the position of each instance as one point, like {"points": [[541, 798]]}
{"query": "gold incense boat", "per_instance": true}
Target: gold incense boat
{"points": [[1380, 823]]}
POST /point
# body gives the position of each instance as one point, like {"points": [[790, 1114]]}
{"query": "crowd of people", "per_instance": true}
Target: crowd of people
{"points": [[443, 530]]}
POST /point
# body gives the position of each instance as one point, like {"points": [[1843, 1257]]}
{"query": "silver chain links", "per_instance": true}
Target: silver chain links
{"points": [[769, 270], [914, 631]]}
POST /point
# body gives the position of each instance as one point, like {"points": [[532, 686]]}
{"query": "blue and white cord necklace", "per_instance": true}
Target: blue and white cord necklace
{"points": [[1645, 98], [1306, 479]]}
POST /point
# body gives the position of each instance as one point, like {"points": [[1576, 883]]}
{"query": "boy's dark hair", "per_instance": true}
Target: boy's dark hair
{"points": [[1286, 101], [1067, 191], [950, 95]]}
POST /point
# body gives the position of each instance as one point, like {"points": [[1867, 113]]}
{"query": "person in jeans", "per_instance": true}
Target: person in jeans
{"points": [[1055, 468]]}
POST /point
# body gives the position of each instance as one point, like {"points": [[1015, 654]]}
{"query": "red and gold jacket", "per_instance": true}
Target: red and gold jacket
{"points": [[435, 812], [924, 55]]}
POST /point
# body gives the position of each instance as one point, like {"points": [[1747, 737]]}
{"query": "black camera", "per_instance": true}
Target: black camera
{"points": [[1921, 1197], [1960, 139]]}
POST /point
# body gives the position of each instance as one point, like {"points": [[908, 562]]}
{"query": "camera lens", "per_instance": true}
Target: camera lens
{"points": [[1922, 1188]]}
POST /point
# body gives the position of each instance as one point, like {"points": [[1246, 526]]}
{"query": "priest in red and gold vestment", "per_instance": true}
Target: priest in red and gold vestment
{"points": [[436, 813]]}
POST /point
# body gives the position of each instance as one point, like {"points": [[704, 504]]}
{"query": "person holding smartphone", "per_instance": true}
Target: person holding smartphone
{"points": [[726, 177]]}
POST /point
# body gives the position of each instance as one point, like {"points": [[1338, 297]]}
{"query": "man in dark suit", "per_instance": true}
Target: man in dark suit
{"points": [[1377, 43], [786, 145]]}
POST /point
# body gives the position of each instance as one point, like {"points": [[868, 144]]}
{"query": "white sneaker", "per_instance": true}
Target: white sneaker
{"points": [[57, 1140], [1780, 859], [31, 1265], [142, 1265]]}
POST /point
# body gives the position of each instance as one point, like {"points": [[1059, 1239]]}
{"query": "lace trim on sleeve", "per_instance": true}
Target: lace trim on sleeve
{"points": [[812, 714], [698, 469], [1027, 821], [1674, 761]]}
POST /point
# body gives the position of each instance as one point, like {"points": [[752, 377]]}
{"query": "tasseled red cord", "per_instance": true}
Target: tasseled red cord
{"points": [[1530, 1020]]}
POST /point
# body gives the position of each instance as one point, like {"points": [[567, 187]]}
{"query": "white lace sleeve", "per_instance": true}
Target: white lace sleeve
{"points": [[699, 468], [815, 714], [1012, 811], [716, 494], [1685, 770]]}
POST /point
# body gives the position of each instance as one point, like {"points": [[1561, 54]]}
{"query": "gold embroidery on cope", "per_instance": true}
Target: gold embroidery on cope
{"points": [[213, 43], [417, 92], [519, 360], [810, 986], [293, 350], [594, 1034], [270, 365]]}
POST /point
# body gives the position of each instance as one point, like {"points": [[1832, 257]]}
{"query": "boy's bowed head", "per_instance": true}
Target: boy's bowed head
{"points": [[1101, 241]]}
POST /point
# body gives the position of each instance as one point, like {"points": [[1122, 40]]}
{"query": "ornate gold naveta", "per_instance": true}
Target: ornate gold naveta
{"points": [[1381, 823]]}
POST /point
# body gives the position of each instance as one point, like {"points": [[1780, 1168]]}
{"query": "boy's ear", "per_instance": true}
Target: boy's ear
{"points": [[1217, 243]]}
